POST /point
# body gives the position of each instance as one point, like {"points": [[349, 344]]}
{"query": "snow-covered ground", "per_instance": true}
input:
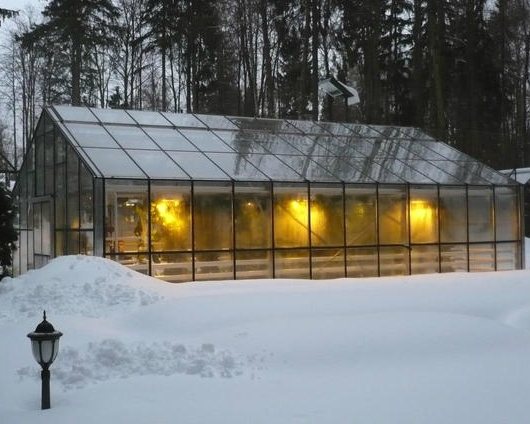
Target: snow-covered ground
{"points": [[451, 348]]}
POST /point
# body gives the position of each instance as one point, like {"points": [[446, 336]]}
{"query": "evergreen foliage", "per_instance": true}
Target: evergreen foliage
{"points": [[8, 235]]}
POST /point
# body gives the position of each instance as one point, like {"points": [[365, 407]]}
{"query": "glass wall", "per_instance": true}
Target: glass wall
{"points": [[212, 230]]}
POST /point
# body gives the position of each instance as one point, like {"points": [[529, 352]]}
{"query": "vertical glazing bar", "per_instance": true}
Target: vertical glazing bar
{"points": [[521, 225], [439, 220], [377, 229], [52, 212], [407, 223], [78, 206], [273, 242], [192, 207], [467, 225], [103, 216], [234, 229], [494, 212], [344, 240], [149, 246], [309, 230]]}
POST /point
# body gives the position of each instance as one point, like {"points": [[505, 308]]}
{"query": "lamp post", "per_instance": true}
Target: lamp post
{"points": [[45, 346]]}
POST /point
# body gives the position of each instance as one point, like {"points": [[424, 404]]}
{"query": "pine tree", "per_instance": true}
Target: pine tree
{"points": [[8, 235], [78, 25]]}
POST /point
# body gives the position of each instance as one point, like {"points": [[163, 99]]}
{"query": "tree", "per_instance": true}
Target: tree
{"points": [[80, 26], [8, 234]]}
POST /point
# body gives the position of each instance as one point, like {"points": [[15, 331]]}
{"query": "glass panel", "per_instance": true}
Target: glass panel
{"points": [[269, 125], [253, 219], [246, 142], [361, 216], [423, 215], [362, 262], [206, 141], [198, 166], [214, 266], [253, 264], [48, 162], [424, 259], [394, 261], [60, 148], [506, 213], [212, 214], [430, 170], [39, 166], [72, 242], [454, 257], [291, 263], [308, 127], [480, 214], [60, 243], [156, 164], [362, 130], [86, 242], [291, 216], [37, 227], [72, 182], [112, 116], [75, 113], [393, 215], [482, 257], [183, 120], [170, 139], [277, 144], [131, 137], [307, 168], [114, 163], [335, 128], [274, 168], [216, 122], [237, 167], [86, 211], [508, 256], [60, 196], [126, 216], [453, 215], [149, 118], [88, 135], [170, 216], [47, 241], [328, 263], [138, 263], [327, 217], [172, 267], [313, 146]]}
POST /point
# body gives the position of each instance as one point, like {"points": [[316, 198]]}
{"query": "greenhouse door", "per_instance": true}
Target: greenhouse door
{"points": [[42, 231]]}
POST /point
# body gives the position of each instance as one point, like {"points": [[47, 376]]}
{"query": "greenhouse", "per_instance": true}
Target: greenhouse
{"points": [[187, 197]]}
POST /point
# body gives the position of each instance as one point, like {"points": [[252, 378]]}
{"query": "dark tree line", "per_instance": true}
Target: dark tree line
{"points": [[457, 68]]}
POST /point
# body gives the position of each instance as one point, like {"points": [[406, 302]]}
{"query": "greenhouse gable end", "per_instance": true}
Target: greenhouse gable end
{"points": [[200, 197]]}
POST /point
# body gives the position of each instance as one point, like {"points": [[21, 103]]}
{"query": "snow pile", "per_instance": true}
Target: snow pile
{"points": [[111, 359], [82, 285]]}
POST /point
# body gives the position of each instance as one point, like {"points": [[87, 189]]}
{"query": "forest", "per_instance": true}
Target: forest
{"points": [[459, 69]]}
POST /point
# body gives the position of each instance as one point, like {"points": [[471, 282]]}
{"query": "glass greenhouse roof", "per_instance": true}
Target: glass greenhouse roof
{"points": [[117, 143]]}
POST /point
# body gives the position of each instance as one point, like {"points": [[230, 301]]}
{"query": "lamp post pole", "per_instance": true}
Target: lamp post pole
{"points": [[45, 345], [45, 398]]}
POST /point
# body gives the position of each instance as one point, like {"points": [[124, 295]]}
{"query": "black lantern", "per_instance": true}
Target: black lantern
{"points": [[45, 345]]}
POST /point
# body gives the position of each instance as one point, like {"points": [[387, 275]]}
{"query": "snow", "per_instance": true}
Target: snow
{"points": [[443, 348]]}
